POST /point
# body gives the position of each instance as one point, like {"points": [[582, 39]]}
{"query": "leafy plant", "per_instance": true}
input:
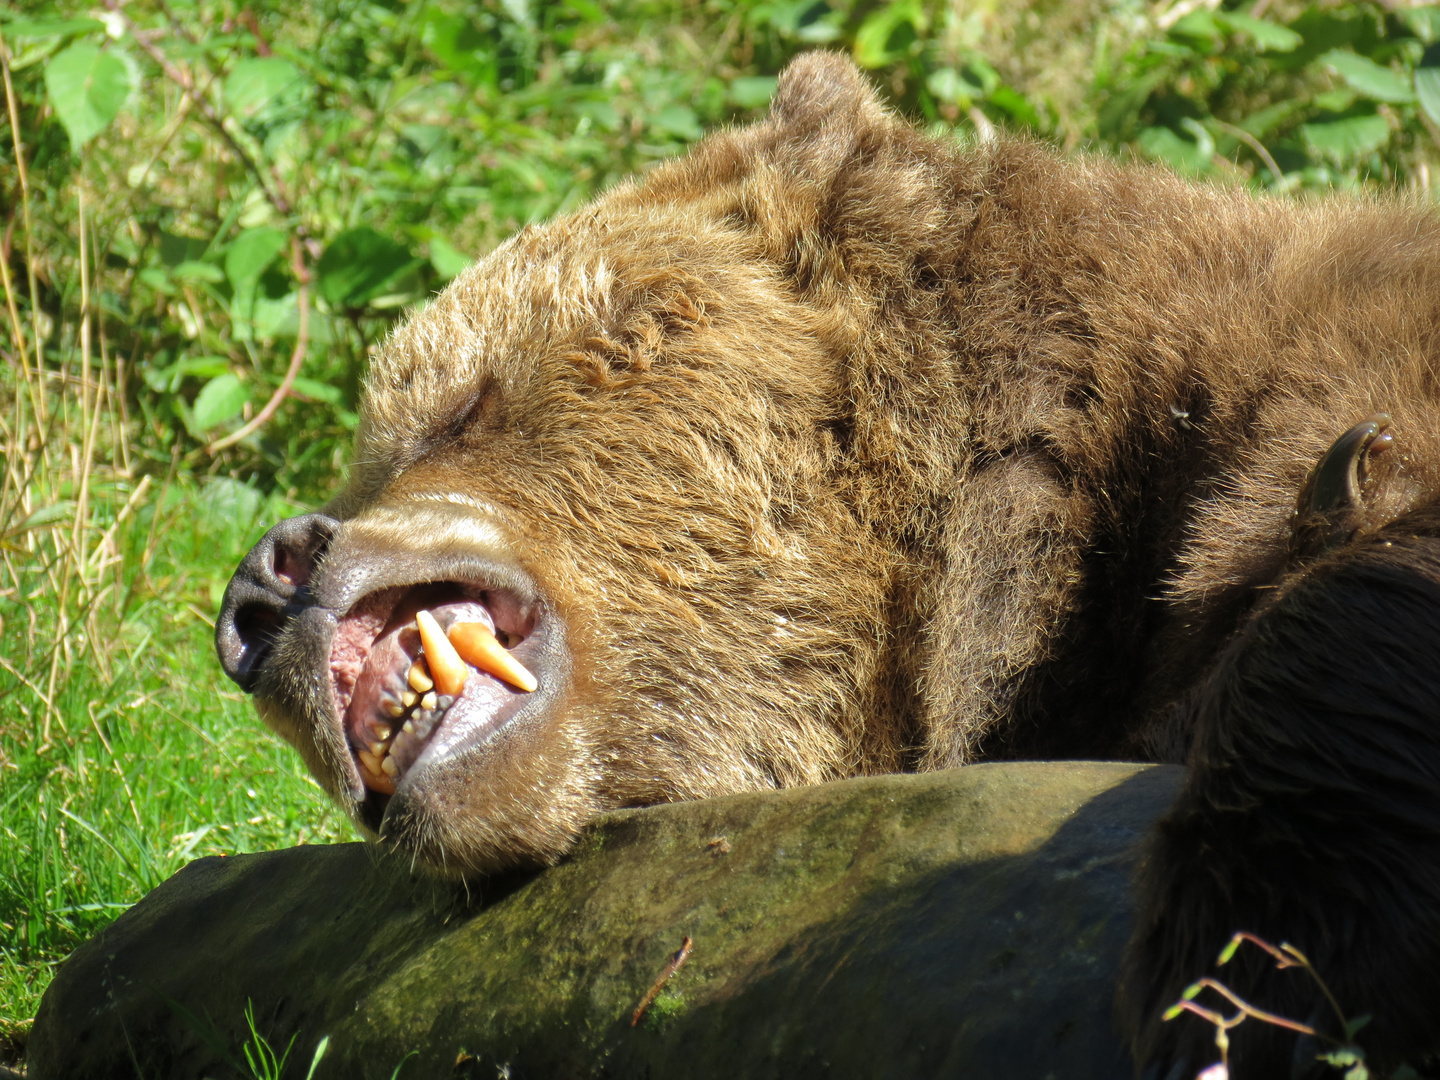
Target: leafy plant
{"points": [[252, 172], [262, 1060], [1330, 97], [1341, 1050]]}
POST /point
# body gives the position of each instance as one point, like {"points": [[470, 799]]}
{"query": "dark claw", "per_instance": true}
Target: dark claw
{"points": [[1339, 479], [270, 586], [1332, 503]]}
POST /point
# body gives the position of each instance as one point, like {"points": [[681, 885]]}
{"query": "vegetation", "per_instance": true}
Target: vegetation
{"points": [[213, 211], [1338, 1047]]}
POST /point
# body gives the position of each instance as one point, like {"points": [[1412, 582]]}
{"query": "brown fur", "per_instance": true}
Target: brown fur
{"points": [[837, 449]]}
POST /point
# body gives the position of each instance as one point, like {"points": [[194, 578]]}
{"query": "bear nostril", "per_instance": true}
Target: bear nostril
{"points": [[249, 623], [257, 627], [289, 569], [270, 585]]}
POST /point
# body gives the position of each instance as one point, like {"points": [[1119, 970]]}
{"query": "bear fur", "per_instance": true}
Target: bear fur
{"points": [[833, 448]]}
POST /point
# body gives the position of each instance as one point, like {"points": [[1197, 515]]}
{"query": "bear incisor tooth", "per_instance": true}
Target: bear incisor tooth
{"points": [[834, 448], [419, 677]]}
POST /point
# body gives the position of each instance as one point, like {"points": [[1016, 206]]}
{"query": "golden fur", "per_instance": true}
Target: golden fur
{"points": [[840, 449]]}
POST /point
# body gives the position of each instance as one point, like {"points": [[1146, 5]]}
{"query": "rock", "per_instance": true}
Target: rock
{"points": [[962, 923]]}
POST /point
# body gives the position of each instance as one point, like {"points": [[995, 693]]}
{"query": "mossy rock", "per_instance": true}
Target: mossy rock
{"points": [[961, 923]]}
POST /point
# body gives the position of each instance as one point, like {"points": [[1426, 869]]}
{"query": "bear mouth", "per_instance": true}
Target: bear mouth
{"points": [[395, 719]]}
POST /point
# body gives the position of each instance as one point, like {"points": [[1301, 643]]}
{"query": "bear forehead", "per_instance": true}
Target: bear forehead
{"points": [[615, 276], [546, 284]]}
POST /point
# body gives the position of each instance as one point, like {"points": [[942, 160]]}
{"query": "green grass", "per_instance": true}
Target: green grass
{"points": [[157, 762]]}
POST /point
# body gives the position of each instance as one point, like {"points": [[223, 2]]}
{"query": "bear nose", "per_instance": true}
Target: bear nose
{"points": [[271, 584]]}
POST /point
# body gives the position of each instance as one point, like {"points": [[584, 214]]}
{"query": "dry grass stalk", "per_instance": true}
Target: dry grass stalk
{"points": [[61, 540]]}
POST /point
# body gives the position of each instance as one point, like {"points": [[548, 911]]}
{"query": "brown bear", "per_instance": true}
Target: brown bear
{"points": [[833, 448]]}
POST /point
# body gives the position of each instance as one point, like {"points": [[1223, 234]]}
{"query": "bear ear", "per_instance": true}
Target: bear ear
{"points": [[824, 92]]}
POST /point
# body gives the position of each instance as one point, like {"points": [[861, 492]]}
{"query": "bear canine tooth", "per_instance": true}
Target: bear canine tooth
{"points": [[476, 644], [370, 761], [389, 767], [380, 731], [446, 667], [378, 749], [429, 701], [408, 698], [419, 677]]}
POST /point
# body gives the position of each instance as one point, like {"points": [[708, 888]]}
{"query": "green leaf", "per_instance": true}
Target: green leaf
{"points": [[1268, 36], [1162, 144], [190, 270], [251, 255], [1263, 121], [1369, 78], [1228, 953], [678, 120], [977, 67], [320, 1048], [590, 12], [1348, 1055], [220, 399], [888, 32], [1119, 113], [454, 41], [1352, 1027], [950, 86], [1016, 104], [331, 395], [167, 379], [1342, 140], [822, 30], [157, 279], [277, 317], [519, 10], [176, 248], [43, 28], [46, 515], [445, 259], [599, 112], [1424, 22], [1335, 101], [227, 498], [1427, 91], [752, 91], [87, 88], [255, 82], [1198, 24], [358, 264]]}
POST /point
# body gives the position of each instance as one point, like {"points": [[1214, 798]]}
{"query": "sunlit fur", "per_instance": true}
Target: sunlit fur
{"points": [[842, 449]]}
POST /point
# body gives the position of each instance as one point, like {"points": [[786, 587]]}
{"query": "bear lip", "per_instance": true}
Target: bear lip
{"points": [[374, 645]]}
